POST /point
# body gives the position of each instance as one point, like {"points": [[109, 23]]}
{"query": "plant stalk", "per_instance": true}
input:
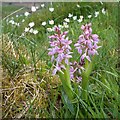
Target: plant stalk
{"points": [[85, 79], [66, 82]]}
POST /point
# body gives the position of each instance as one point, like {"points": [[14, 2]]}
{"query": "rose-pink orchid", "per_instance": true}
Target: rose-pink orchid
{"points": [[87, 43], [60, 49]]}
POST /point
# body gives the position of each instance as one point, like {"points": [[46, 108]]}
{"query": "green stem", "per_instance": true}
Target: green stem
{"points": [[84, 87], [85, 79], [66, 82]]}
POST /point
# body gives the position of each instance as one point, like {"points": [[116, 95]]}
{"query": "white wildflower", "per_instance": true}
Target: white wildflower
{"points": [[49, 29], [16, 15], [51, 22], [96, 14], [26, 14], [37, 7], [26, 29], [35, 32], [43, 23], [60, 26], [103, 11], [78, 5], [67, 20], [89, 16], [31, 30], [65, 25], [81, 17], [79, 20], [12, 22], [42, 5], [70, 15], [74, 17], [31, 24], [51, 9], [33, 8]]}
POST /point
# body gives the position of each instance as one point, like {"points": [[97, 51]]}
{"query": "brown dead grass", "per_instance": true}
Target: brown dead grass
{"points": [[26, 89]]}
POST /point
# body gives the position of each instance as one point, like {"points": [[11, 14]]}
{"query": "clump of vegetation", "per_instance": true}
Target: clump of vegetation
{"points": [[28, 87]]}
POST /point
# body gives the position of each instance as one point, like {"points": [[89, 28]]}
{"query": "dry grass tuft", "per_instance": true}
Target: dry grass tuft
{"points": [[27, 89]]}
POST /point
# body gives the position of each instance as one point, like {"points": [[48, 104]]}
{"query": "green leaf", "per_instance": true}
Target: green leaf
{"points": [[102, 84], [110, 73], [68, 103]]}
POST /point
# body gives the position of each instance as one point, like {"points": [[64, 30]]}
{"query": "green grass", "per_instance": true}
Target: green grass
{"points": [[8, 9], [27, 65]]}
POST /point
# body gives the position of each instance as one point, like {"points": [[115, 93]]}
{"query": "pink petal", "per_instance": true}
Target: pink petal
{"points": [[88, 58]]}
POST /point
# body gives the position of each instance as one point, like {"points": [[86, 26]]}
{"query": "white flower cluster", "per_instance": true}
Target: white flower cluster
{"points": [[51, 22], [14, 23], [97, 13], [30, 28], [34, 8], [65, 24], [69, 18]]}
